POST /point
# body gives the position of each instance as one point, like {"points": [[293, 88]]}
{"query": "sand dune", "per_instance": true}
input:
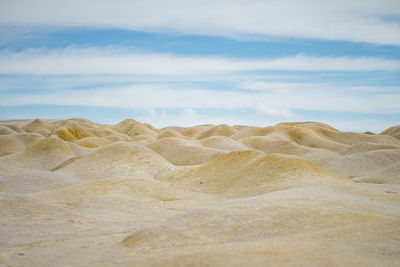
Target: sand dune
{"points": [[364, 163], [9, 144], [184, 152], [219, 130], [6, 130], [169, 133], [223, 142], [44, 154], [92, 142], [389, 175], [365, 147], [194, 131], [35, 181], [392, 131], [75, 192], [37, 126], [248, 173], [118, 160], [134, 128]]}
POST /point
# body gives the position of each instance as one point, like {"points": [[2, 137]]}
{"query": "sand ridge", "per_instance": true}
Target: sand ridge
{"points": [[76, 192]]}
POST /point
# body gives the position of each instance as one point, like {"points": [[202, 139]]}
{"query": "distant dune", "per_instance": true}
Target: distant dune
{"points": [[75, 192]]}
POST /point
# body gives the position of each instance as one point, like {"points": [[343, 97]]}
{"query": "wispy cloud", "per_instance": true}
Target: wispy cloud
{"points": [[277, 99], [276, 112], [278, 103], [92, 61], [359, 21], [189, 111]]}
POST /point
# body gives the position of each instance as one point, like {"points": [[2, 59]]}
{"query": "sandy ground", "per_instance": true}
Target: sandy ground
{"points": [[77, 193]]}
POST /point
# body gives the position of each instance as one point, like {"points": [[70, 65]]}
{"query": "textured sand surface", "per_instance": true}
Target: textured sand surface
{"points": [[77, 193]]}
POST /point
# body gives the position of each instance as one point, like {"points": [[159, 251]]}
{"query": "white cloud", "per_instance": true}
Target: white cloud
{"points": [[152, 112], [360, 21], [92, 61], [160, 96], [276, 112], [314, 87], [189, 111]]}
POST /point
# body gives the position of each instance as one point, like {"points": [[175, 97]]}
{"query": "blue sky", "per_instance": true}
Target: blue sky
{"points": [[193, 62]]}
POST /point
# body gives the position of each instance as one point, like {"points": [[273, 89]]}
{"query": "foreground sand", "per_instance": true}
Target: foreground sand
{"points": [[79, 193]]}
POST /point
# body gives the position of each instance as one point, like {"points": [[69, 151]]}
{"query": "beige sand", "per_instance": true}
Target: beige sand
{"points": [[77, 193]]}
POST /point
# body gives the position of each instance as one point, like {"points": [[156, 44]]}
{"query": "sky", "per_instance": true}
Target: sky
{"points": [[177, 62]]}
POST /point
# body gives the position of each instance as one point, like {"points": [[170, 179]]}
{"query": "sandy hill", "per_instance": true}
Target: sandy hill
{"points": [[184, 152], [223, 142], [134, 128], [392, 131], [45, 153], [117, 160], [219, 130], [169, 133], [79, 193], [195, 130], [248, 173]]}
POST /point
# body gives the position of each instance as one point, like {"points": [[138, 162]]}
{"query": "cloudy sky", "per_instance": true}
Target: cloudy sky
{"points": [[177, 62]]}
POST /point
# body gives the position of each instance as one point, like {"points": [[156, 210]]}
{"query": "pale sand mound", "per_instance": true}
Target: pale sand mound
{"points": [[240, 174], [71, 131], [392, 131], [355, 138], [169, 133], [366, 147], [301, 135], [250, 131], [6, 130], [219, 130], [14, 128], [92, 142], [268, 220], [312, 138], [79, 150], [37, 126], [172, 128], [138, 190], [23, 183], [309, 124], [44, 154], [270, 144], [77, 129], [195, 130], [134, 128], [274, 144], [389, 175], [347, 138], [184, 152], [119, 160], [364, 163], [39, 223], [223, 142], [10, 144]]}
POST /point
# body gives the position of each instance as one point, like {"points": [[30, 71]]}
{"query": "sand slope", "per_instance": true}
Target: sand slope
{"points": [[78, 193], [184, 152], [248, 173], [117, 160]]}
